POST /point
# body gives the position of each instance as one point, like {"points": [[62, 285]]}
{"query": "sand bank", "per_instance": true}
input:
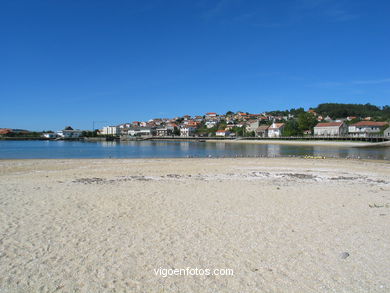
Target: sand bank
{"points": [[281, 225]]}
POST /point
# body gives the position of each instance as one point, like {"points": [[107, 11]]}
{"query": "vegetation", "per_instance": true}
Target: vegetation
{"points": [[306, 121], [291, 128], [176, 131], [87, 133], [293, 111], [25, 134], [335, 110]]}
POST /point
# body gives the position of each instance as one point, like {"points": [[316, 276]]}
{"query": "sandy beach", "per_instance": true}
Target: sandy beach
{"points": [[280, 224]]}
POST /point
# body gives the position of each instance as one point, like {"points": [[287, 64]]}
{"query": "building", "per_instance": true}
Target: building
{"points": [[222, 133], [331, 129], [367, 128], [386, 132], [262, 131], [211, 114], [110, 130], [211, 124], [142, 131], [164, 131], [187, 131], [69, 132], [275, 130], [252, 125], [4, 131], [49, 135]]}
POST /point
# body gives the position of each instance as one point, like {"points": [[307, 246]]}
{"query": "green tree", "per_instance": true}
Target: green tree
{"points": [[306, 121], [291, 128], [176, 131]]}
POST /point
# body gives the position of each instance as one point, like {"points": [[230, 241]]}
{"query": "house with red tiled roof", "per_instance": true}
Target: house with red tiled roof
{"points": [[367, 128], [331, 129], [5, 131], [262, 131], [275, 130]]}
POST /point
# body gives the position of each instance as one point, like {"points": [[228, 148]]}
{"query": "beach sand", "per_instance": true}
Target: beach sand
{"points": [[281, 225]]}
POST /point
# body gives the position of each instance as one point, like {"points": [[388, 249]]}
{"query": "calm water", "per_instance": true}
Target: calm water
{"points": [[153, 149]]}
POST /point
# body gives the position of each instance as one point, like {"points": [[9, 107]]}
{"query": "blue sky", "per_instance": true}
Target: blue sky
{"points": [[70, 62]]}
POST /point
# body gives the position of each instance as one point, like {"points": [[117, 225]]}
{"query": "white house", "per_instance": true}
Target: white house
{"points": [[49, 135], [275, 130], [222, 133], [69, 132], [211, 114], [366, 128], [331, 129], [110, 130], [141, 131], [386, 132], [187, 130], [210, 124]]}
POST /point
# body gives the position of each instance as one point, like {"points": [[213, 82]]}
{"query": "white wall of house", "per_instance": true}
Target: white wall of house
{"points": [[330, 130], [386, 133], [110, 130], [364, 131], [69, 133], [187, 131], [327, 131], [210, 124], [50, 135], [142, 131], [222, 133], [275, 131]]}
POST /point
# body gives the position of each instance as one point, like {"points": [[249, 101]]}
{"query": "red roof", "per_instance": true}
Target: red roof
{"points": [[277, 126], [371, 123], [211, 113], [329, 124], [5, 130]]}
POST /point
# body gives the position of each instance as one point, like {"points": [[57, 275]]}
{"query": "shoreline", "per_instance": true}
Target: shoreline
{"points": [[309, 143], [303, 158]]}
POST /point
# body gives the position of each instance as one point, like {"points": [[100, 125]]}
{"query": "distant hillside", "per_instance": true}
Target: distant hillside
{"points": [[335, 110]]}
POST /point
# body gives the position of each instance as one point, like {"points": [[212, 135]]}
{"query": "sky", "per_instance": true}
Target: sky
{"points": [[72, 62]]}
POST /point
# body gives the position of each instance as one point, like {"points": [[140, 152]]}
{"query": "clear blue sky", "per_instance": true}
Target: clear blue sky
{"points": [[70, 62]]}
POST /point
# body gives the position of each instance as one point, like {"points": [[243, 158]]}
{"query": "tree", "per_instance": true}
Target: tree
{"points": [[291, 128], [176, 131], [306, 121], [297, 111]]}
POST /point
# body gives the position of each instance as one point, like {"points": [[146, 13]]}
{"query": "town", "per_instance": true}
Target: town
{"points": [[294, 123]]}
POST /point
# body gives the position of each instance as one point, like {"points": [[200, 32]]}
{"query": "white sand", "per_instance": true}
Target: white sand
{"points": [[280, 224]]}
